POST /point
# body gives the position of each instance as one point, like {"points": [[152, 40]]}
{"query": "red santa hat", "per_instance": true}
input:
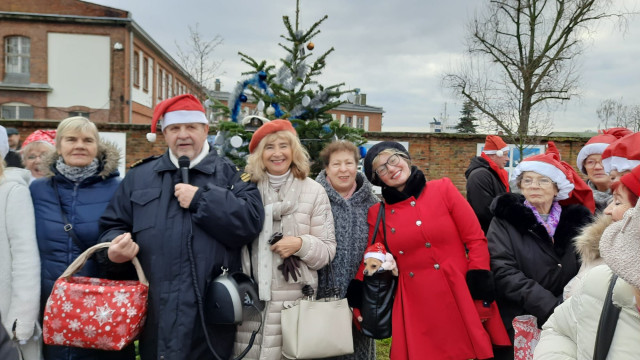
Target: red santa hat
{"points": [[598, 143], [632, 180], [493, 144], [181, 109], [623, 154], [48, 136], [549, 165], [376, 251]]}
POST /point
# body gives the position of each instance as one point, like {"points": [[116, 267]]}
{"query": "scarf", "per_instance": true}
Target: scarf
{"points": [[276, 181], [414, 186], [280, 208], [502, 173], [77, 173], [351, 191], [552, 220], [203, 153]]}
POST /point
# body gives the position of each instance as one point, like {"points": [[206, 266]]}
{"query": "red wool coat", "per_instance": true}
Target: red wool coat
{"points": [[434, 316]]}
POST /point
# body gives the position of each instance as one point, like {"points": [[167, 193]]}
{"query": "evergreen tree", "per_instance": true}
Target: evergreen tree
{"points": [[292, 91], [466, 123]]}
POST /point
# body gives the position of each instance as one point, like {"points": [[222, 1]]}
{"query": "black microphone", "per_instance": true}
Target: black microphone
{"points": [[183, 163]]}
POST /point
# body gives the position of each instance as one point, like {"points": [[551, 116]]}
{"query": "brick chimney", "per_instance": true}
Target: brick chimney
{"points": [[217, 85]]}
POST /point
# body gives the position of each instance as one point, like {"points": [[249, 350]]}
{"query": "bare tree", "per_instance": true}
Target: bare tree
{"points": [[520, 61], [196, 56], [614, 113]]}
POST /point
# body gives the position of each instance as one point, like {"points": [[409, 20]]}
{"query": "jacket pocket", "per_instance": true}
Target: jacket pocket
{"points": [[145, 208]]}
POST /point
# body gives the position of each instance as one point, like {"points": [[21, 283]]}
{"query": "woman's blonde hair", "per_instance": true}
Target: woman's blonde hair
{"points": [[299, 157], [76, 124]]}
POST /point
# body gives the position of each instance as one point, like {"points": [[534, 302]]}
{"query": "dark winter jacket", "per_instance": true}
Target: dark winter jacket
{"points": [[225, 214], [83, 203], [351, 229], [483, 185], [531, 269]]}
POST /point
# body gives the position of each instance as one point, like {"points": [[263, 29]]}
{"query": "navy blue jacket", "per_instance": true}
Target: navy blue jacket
{"points": [[83, 203], [225, 214]]}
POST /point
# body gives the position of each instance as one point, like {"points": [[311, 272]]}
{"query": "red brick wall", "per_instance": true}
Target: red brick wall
{"points": [[61, 7], [438, 155]]}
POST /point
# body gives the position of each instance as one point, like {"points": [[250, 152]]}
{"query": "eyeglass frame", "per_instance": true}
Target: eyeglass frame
{"points": [[537, 181], [595, 162], [385, 167]]}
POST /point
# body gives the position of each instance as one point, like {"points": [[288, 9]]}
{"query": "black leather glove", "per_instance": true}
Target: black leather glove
{"points": [[290, 266]]}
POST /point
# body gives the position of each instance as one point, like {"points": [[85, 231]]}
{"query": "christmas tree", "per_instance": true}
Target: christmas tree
{"points": [[466, 123], [292, 91]]}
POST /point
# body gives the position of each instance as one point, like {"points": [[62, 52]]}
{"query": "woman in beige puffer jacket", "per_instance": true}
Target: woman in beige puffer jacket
{"points": [[299, 208]]}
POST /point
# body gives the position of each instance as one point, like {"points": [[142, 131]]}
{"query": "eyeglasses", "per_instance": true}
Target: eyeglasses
{"points": [[393, 160], [33, 157], [542, 182], [592, 163]]}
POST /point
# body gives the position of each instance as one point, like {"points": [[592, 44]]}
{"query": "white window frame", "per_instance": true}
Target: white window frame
{"points": [[17, 107], [23, 55]]}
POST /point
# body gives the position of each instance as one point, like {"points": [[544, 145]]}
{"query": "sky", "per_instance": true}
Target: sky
{"points": [[393, 51]]}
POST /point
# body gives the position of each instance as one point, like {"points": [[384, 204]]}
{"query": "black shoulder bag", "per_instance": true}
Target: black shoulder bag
{"points": [[378, 293], [68, 228], [607, 325]]}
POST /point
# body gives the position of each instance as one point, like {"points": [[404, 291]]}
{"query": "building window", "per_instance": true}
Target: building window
{"points": [[360, 123], [160, 84], [145, 73], [349, 121], [79, 113], [136, 69], [17, 54], [16, 111]]}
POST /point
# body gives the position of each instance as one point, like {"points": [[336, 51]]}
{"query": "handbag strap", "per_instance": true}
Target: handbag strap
{"points": [[384, 228], [607, 324], [79, 262], [68, 228]]}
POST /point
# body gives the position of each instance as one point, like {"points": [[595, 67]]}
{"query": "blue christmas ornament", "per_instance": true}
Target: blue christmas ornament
{"points": [[363, 151], [326, 128], [262, 76], [242, 98]]}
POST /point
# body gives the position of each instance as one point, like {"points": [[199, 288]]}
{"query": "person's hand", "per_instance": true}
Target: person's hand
{"points": [[185, 193], [122, 248], [288, 246]]}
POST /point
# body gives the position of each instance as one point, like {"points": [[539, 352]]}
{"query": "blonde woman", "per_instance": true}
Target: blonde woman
{"points": [[297, 207]]}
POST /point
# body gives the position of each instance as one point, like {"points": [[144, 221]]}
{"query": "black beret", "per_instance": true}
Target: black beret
{"points": [[373, 152]]}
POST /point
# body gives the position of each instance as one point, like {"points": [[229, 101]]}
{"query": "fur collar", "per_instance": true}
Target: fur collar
{"points": [[587, 243], [361, 195], [108, 154], [510, 207], [413, 187]]}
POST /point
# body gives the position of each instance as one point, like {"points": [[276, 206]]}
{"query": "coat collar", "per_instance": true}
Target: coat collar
{"points": [[414, 186], [108, 155], [361, 195], [510, 208]]}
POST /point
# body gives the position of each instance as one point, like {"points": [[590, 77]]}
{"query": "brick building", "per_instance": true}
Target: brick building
{"points": [[357, 114], [63, 58]]}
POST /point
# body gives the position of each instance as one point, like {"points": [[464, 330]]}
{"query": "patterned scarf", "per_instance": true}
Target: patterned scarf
{"points": [[552, 221], [77, 173], [348, 195]]}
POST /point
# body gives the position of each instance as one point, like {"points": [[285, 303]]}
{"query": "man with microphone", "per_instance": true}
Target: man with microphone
{"points": [[183, 214]]}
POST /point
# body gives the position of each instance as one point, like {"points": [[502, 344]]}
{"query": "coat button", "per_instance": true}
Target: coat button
{"points": [[427, 245], [393, 211], [401, 252], [411, 274], [413, 203], [436, 266], [393, 230], [418, 222], [559, 265]]}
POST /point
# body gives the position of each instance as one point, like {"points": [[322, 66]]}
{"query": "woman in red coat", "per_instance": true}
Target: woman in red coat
{"points": [[444, 305]]}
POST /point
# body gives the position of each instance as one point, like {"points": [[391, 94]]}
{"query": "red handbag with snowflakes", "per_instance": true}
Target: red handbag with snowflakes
{"points": [[95, 313], [526, 336]]}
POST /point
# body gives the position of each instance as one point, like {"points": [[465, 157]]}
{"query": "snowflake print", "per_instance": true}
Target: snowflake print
{"points": [[89, 331], [84, 316], [89, 301], [56, 324], [519, 341], [139, 300], [121, 297], [58, 338], [77, 342], [74, 325], [121, 329], [131, 312], [101, 289], [94, 281], [60, 290], [104, 342], [103, 314], [75, 293], [67, 306], [50, 303]]}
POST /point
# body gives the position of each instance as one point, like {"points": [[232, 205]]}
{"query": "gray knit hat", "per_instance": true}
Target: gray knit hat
{"points": [[620, 246]]}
